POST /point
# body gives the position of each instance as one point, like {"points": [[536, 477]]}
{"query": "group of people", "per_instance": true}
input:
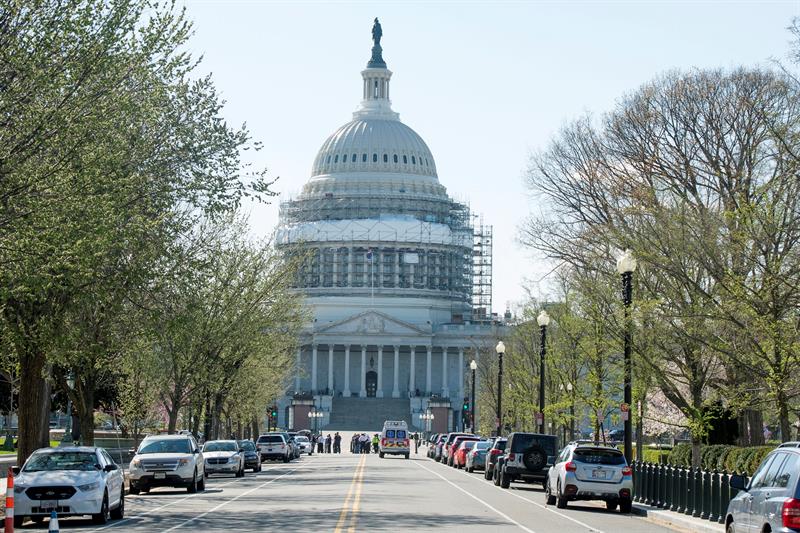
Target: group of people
{"points": [[361, 442], [327, 444]]}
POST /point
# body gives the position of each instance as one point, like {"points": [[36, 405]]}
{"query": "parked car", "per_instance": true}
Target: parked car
{"points": [[274, 446], [448, 443], [304, 444], [295, 445], [223, 457], [252, 459], [73, 481], [167, 461], [590, 472], [771, 500], [451, 460], [497, 450], [438, 446], [476, 457], [463, 448], [528, 457]]}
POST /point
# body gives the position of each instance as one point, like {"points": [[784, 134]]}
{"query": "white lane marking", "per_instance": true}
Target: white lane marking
{"points": [[475, 498], [546, 508], [223, 504], [196, 494]]}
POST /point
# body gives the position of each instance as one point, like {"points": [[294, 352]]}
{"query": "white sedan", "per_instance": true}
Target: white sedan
{"points": [[72, 481], [223, 457], [305, 445]]}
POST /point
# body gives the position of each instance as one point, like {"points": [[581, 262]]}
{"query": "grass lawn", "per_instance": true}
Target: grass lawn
{"points": [[53, 443]]}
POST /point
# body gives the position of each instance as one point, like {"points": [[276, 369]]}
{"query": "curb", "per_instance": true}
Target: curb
{"points": [[676, 519]]}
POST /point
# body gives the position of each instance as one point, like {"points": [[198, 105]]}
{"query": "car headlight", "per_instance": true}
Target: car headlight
{"points": [[19, 489], [136, 463], [89, 486], [183, 462], [233, 459]]}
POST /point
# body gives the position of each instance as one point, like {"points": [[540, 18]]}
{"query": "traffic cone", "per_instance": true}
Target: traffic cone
{"points": [[53, 522], [10, 502]]}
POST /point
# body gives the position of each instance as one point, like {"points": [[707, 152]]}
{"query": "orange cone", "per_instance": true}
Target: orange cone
{"points": [[10, 502]]}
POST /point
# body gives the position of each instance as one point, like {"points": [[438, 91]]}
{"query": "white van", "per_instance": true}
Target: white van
{"points": [[394, 439]]}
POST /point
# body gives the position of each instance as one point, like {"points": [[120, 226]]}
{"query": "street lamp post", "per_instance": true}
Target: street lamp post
{"points": [[500, 349], [67, 438], [426, 419], [315, 414], [626, 265], [473, 366], [543, 320]]}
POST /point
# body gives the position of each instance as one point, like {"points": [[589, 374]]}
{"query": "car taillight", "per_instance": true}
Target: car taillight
{"points": [[511, 457], [405, 442], [791, 513], [626, 471], [570, 467], [383, 442], [283, 446], [495, 451]]}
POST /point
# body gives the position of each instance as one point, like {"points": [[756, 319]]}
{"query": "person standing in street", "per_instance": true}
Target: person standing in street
{"points": [[320, 443], [337, 443], [328, 441], [416, 443], [364, 443]]}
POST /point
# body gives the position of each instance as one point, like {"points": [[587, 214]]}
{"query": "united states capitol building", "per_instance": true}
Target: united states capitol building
{"points": [[396, 276]]}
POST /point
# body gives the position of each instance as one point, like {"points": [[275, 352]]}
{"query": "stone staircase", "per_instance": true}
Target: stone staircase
{"points": [[367, 414]]}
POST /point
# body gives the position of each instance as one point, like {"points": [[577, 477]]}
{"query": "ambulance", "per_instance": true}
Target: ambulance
{"points": [[394, 439]]}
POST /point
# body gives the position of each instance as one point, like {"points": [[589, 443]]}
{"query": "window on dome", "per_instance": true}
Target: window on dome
{"points": [[353, 159], [395, 158], [385, 158], [336, 159], [344, 158], [405, 160], [413, 160], [375, 94], [363, 158], [328, 160], [374, 158]]}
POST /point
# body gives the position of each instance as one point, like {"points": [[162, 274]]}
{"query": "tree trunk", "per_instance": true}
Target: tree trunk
{"points": [[207, 419], [34, 394], [255, 427], [217, 416], [172, 416], [85, 407], [783, 416], [751, 428], [695, 452]]}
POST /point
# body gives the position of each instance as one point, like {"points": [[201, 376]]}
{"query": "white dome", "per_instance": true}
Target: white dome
{"points": [[369, 144]]}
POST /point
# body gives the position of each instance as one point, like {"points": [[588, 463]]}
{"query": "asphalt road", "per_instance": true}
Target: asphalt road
{"points": [[359, 493]]}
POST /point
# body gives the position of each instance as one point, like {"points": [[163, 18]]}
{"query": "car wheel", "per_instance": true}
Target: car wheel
{"points": [[611, 505], [730, 528], [487, 475], [146, 490], [102, 516], [18, 521], [201, 485], [505, 480], [496, 478], [134, 489], [206, 474], [561, 501], [407, 455], [470, 469], [285, 458], [625, 506], [380, 455], [240, 472], [118, 512], [549, 499], [192, 488]]}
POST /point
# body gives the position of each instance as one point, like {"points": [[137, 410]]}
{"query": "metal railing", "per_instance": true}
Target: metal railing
{"points": [[691, 491]]}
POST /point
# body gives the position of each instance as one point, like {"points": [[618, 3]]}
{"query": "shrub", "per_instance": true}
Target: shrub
{"points": [[681, 455], [717, 457]]}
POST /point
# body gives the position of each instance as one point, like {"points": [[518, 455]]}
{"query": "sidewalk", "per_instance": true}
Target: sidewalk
{"points": [[679, 520]]}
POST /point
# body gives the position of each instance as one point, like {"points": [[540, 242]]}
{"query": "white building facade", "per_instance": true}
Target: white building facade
{"points": [[388, 277]]}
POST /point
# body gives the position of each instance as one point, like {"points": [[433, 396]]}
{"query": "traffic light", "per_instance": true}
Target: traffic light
{"points": [[274, 412], [465, 407]]}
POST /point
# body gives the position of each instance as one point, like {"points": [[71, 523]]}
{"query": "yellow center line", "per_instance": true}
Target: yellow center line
{"points": [[353, 483], [356, 501]]}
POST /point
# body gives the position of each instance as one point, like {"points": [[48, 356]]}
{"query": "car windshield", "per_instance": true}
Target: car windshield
{"points": [[270, 438], [468, 444], [598, 457], [500, 445], [522, 441], [166, 446], [247, 445], [483, 445], [41, 462], [220, 446], [301, 438]]}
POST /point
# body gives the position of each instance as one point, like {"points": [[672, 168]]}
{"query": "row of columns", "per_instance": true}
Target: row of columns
{"points": [[395, 385]]}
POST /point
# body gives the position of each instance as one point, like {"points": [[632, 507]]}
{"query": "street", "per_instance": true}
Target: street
{"points": [[359, 493]]}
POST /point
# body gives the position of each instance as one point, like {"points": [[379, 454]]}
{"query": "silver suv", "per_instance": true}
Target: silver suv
{"points": [[588, 471], [167, 461], [771, 501]]}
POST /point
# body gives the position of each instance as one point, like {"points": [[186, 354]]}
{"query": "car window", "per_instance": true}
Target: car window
{"points": [[42, 462], [247, 445], [166, 446], [270, 439], [768, 479], [220, 447], [788, 472], [501, 445], [598, 456], [523, 441], [483, 445], [389, 433], [468, 444], [761, 472], [107, 457], [401, 434]]}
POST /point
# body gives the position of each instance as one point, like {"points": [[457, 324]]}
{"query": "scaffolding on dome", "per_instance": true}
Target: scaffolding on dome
{"points": [[482, 270]]}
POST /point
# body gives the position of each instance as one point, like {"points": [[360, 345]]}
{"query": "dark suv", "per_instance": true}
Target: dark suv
{"points": [[528, 456]]}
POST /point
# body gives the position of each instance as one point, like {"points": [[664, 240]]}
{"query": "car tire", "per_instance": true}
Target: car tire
{"points": [[192, 488], [496, 478], [134, 489], [380, 455], [240, 472], [285, 458], [18, 521], [730, 528], [534, 458], [487, 475], [549, 499], [611, 505], [407, 456], [625, 506], [119, 511], [102, 517], [206, 474], [470, 469], [505, 480], [561, 501]]}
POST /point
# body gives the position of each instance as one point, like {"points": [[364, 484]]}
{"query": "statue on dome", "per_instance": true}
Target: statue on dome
{"points": [[377, 32]]}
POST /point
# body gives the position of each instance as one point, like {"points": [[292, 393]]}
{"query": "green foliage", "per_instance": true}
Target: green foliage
{"points": [[722, 457]]}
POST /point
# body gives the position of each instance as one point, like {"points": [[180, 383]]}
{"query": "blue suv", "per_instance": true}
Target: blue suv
{"points": [[771, 501]]}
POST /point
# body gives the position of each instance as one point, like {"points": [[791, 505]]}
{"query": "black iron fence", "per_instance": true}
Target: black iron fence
{"points": [[690, 491]]}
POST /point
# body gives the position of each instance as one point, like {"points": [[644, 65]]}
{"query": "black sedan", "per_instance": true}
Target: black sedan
{"points": [[252, 459]]}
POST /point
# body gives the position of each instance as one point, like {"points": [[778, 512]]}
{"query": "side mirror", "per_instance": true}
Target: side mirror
{"points": [[16, 470], [196, 451], [110, 467], [241, 450], [738, 482]]}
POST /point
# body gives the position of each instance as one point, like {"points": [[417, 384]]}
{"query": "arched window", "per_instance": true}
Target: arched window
{"points": [[353, 159], [328, 160], [344, 158], [363, 158], [405, 160], [336, 158], [374, 158], [395, 158], [385, 158], [413, 160]]}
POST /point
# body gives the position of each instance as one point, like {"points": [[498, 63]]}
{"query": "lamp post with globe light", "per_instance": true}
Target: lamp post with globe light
{"points": [[626, 265], [315, 415], [543, 320], [67, 439], [501, 350], [473, 366], [426, 418]]}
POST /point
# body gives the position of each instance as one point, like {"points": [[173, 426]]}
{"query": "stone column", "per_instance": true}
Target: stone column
{"points": [[346, 391], [412, 385], [461, 373], [395, 389], [297, 368], [379, 392], [330, 369], [335, 275], [313, 369], [445, 388], [428, 372], [363, 390]]}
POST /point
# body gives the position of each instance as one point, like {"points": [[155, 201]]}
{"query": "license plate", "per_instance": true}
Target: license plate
{"points": [[269, 449], [598, 474], [160, 475], [48, 505]]}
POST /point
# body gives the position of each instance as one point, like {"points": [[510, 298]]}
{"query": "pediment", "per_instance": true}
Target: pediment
{"points": [[372, 323]]}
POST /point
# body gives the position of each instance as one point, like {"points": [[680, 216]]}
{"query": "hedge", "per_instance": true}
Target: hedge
{"points": [[721, 457]]}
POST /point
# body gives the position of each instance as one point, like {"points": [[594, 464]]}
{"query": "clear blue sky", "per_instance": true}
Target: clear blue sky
{"points": [[484, 83]]}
